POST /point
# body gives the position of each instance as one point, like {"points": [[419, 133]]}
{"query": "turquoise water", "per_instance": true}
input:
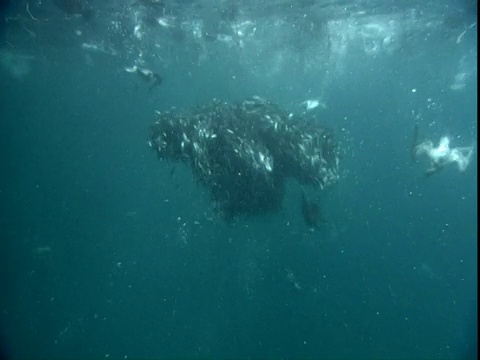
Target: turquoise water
{"points": [[109, 252]]}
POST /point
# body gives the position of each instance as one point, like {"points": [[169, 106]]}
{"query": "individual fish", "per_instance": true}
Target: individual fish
{"points": [[414, 142], [310, 212], [75, 8], [151, 78]]}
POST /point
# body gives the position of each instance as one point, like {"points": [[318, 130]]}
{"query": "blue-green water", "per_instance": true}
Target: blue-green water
{"points": [[108, 252]]}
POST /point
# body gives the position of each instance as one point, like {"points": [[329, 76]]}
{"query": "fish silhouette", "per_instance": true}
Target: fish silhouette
{"points": [[310, 212], [75, 7]]}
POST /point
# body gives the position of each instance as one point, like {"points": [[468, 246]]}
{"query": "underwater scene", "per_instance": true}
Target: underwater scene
{"points": [[226, 179]]}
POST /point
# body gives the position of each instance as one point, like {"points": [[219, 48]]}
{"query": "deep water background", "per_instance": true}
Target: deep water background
{"points": [[139, 266]]}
